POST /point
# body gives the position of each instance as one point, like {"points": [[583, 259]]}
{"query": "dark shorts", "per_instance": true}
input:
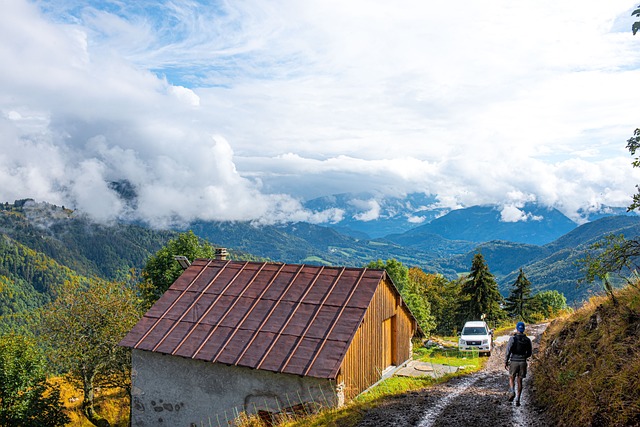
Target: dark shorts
{"points": [[518, 368]]}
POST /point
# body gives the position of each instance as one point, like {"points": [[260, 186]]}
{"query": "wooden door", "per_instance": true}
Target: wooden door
{"points": [[387, 342]]}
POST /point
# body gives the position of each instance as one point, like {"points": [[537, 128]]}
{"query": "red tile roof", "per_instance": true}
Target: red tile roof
{"points": [[296, 319]]}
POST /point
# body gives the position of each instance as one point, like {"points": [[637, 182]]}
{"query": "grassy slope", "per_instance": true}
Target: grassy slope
{"points": [[589, 364]]}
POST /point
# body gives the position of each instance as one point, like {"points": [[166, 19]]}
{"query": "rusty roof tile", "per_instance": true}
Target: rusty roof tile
{"points": [[296, 319]]}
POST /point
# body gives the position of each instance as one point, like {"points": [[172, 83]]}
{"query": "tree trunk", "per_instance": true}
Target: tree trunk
{"points": [[87, 404]]}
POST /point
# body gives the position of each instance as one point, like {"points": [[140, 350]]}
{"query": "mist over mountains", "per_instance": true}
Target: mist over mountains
{"points": [[405, 219], [545, 243]]}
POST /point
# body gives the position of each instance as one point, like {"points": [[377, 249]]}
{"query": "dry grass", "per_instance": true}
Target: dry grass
{"points": [[113, 404], [589, 364]]}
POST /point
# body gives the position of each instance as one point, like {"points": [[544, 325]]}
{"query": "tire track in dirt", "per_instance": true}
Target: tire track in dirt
{"points": [[476, 399], [433, 413]]}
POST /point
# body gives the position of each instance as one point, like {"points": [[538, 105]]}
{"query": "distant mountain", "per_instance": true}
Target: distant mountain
{"points": [[109, 251], [369, 215], [502, 257], [305, 243], [535, 225], [561, 269], [552, 266], [28, 278], [604, 211]]}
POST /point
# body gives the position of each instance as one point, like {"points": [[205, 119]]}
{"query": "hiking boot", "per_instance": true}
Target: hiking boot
{"points": [[517, 402], [512, 395]]}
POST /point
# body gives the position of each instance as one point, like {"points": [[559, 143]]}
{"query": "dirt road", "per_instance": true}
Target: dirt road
{"points": [[476, 399]]}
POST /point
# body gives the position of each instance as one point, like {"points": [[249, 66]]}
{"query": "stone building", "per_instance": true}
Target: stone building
{"points": [[232, 336]]}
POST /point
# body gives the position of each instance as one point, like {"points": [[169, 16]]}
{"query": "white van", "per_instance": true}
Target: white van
{"points": [[476, 336]]}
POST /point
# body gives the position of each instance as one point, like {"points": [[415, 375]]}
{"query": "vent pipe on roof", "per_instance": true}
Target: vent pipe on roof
{"points": [[221, 253]]}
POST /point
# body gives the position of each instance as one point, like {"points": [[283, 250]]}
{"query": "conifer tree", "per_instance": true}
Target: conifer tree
{"points": [[480, 297], [519, 303]]}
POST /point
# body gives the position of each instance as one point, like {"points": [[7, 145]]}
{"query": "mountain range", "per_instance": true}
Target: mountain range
{"points": [[371, 215], [545, 244]]}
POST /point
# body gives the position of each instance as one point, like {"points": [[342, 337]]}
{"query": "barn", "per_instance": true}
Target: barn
{"points": [[233, 336]]}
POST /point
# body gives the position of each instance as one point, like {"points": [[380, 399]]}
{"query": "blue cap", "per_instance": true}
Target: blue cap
{"points": [[520, 326]]}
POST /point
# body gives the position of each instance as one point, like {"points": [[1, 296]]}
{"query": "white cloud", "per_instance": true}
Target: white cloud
{"points": [[240, 110], [416, 219], [511, 213], [371, 209]]}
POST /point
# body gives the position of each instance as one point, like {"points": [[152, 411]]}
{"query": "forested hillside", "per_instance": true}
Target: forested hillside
{"points": [[305, 243], [75, 241], [111, 251], [28, 279]]}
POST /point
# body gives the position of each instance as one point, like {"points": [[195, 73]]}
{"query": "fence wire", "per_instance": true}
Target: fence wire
{"points": [[288, 406]]}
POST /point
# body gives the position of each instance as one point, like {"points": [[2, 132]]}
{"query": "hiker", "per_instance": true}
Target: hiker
{"points": [[515, 360]]}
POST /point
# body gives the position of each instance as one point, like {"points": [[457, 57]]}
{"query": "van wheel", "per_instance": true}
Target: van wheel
{"points": [[488, 353]]}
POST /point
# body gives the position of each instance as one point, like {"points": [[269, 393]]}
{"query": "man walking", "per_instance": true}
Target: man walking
{"points": [[515, 360]]}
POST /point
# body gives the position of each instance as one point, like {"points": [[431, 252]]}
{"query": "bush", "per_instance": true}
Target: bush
{"points": [[26, 399]]}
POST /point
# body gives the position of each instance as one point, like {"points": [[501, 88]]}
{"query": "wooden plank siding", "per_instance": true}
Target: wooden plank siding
{"points": [[383, 339]]}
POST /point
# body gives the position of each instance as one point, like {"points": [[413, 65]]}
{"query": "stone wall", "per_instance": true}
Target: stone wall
{"points": [[175, 391]]}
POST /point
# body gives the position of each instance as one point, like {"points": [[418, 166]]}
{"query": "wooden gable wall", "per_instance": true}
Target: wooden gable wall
{"points": [[383, 339]]}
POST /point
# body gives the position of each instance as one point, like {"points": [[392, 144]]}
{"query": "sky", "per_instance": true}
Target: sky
{"points": [[244, 109]]}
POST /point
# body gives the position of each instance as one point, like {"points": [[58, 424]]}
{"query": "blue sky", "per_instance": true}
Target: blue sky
{"points": [[244, 109]]}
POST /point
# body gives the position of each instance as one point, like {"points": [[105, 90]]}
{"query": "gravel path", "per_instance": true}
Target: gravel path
{"points": [[476, 399]]}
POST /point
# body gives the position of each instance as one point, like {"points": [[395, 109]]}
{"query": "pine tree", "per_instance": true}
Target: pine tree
{"points": [[480, 297], [519, 303]]}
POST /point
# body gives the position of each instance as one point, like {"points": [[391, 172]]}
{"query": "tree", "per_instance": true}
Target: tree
{"points": [[161, 270], [633, 144], [83, 327], [550, 302], [636, 25], [442, 295], [479, 295], [611, 255], [520, 303], [615, 254], [410, 292], [398, 272], [26, 399]]}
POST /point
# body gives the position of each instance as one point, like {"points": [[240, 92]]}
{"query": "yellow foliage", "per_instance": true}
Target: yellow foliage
{"points": [[111, 403]]}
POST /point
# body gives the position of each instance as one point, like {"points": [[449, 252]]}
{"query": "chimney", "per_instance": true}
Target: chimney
{"points": [[221, 253], [183, 261]]}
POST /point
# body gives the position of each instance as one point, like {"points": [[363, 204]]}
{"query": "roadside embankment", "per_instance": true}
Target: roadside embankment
{"points": [[589, 364]]}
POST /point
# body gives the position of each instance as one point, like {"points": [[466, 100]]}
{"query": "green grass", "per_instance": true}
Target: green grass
{"points": [[353, 412], [315, 259], [372, 243], [449, 356]]}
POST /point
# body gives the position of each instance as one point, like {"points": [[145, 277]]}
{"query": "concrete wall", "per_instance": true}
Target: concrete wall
{"points": [[175, 391]]}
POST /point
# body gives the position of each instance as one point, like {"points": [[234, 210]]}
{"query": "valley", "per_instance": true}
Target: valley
{"points": [[72, 240]]}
